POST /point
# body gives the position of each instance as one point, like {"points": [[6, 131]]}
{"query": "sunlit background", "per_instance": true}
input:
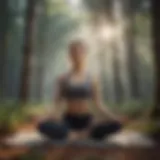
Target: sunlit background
{"points": [[122, 37], [119, 47]]}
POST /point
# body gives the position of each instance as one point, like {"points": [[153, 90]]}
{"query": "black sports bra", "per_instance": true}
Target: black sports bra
{"points": [[77, 91]]}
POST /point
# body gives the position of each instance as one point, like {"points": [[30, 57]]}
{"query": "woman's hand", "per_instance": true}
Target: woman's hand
{"points": [[123, 120]]}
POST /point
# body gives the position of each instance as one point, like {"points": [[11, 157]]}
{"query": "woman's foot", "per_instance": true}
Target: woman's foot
{"points": [[74, 136]]}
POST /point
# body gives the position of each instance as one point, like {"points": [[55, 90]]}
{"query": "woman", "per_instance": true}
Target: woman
{"points": [[78, 89]]}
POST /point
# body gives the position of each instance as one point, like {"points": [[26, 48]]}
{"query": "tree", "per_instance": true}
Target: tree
{"points": [[4, 20], [101, 6], [42, 25], [130, 44], [119, 90], [28, 49], [103, 10], [55, 24], [156, 44]]}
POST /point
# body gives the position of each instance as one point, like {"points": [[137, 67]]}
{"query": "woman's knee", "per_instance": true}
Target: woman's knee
{"points": [[112, 127], [53, 130], [115, 126], [104, 129], [43, 126]]}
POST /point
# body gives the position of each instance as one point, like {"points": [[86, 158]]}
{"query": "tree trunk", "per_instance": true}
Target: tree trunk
{"points": [[28, 50], [4, 20], [102, 63], [41, 49], [119, 92], [132, 57], [156, 45]]}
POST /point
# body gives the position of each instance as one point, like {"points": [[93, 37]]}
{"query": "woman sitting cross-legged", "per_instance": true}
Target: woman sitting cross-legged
{"points": [[78, 89]]}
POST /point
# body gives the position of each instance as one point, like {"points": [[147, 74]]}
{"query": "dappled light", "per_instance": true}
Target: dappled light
{"points": [[79, 77]]}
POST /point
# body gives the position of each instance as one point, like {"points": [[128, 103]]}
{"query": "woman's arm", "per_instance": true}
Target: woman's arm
{"points": [[58, 97], [54, 112], [97, 98]]}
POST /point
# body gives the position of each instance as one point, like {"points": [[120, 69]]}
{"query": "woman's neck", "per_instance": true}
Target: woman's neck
{"points": [[79, 70]]}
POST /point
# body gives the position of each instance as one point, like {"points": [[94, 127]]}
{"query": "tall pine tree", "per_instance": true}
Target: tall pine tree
{"points": [[28, 50]]}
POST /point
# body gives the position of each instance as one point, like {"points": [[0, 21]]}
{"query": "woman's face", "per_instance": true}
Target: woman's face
{"points": [[77, 54]]}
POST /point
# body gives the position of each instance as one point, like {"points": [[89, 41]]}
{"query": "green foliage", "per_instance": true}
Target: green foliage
{"points": [[11, 116], [54, 7], [133, 109], [14, 115], [146, 126]]}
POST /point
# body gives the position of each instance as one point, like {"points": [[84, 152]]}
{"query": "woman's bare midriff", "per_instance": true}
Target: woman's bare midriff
{"points": [[77, 107]]}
